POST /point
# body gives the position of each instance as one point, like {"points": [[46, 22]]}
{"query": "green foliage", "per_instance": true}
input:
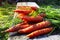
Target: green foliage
{"points": [[6, 19], [53, 14], [34, 13], [47, 2]]}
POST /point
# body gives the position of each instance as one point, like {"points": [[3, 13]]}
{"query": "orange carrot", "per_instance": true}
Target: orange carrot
{"points": [[35, 27], [24, 7], [27, 8], [31, 19], [23, 11], [20, 16], [34, 8], [17, 27], [39, 32]]}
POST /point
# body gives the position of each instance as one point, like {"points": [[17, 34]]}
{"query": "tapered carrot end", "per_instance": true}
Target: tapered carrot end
{"points": [[15, 10]]}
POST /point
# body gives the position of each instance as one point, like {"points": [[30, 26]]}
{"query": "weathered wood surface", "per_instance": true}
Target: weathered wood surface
{"points": [[27, 4], [52, 37]]}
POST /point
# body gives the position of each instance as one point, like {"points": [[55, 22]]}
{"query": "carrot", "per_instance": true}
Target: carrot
{"points": [[31, 19], [24, 26], [25, 12], [35, 27], [27, 8], [24, 7], [33, 8], [20, 16], [17, 27], [39, 32]]}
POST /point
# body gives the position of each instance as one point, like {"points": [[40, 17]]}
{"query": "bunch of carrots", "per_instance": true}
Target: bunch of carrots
{"points": [[32, 26]]}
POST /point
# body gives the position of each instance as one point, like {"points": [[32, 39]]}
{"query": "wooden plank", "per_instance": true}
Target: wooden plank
{"points": [[21, 37], [27, 4]]}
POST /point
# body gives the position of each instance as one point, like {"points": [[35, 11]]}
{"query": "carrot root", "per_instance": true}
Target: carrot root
{"points": [[39, 32], [35, 27]]}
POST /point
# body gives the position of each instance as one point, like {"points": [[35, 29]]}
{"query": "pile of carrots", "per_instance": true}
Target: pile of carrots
{"points": [[32, 26]]}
